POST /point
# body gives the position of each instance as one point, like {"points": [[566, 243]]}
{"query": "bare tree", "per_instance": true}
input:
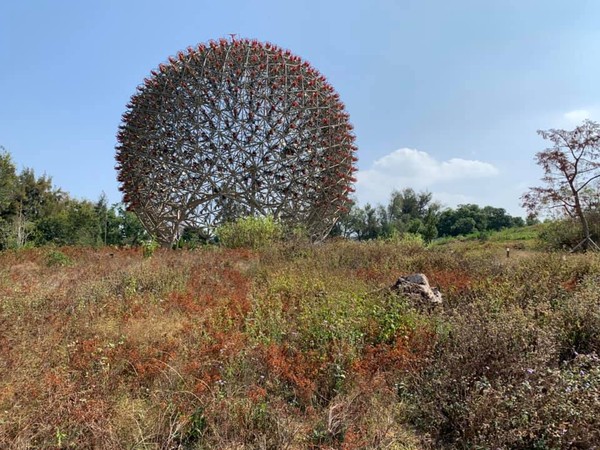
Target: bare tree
{"points": [[571, 175]]}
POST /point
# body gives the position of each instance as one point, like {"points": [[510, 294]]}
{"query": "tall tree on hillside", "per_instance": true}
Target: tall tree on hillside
{"points": [[406, 205], [34, 199], [414, 212], [497, 218], [8, 180], [571, 175]]}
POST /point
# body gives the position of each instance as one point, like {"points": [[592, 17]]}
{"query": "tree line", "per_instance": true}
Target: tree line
{"points": [[570, 191], [415, 212], [34, 212]]}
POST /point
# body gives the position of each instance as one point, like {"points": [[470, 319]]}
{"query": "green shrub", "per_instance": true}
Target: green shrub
{"points": [[561, 235], [409, 242], [566, 234], [250, 232], [149, 247], [57, 258]]}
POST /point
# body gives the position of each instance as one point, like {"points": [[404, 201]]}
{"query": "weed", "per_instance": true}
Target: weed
{"points": [[149, 246], [57, 258], [250, 232]]}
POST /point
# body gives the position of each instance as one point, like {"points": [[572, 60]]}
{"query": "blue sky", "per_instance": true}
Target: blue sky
{"points": [[445, 96]]}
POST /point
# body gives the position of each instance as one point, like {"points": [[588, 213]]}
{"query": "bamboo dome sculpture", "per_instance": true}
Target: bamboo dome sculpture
{"points": [[232, 128]]}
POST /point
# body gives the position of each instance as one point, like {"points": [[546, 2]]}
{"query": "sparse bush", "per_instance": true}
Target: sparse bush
{"points": [[578, 321], [249, 232], [548, 408], [479, 348]]}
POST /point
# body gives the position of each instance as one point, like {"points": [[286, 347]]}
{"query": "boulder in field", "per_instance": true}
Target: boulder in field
{"points": [[416, 287]]}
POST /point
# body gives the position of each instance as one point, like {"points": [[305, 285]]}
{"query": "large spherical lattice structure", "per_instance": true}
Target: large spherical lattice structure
{"points": [[235, 128]]}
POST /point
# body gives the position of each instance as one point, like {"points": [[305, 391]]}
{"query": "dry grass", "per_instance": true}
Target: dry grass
{"points": [[293, 347]]}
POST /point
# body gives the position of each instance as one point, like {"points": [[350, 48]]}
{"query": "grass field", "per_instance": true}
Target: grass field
{"points": [[298, 346]]}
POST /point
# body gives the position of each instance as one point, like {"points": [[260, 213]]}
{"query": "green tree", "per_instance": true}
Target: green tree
{"points": [[406, 211], [464, 219], [131, 230], [24, 200], [464, 225], [471, 218], [496, 218], [76, 223], [352, 224], [8, 181], [35, 197], [407, 204]]}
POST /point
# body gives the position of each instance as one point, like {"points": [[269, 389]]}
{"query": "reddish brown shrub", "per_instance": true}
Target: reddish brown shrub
{"points": [[407, 352], [455, 280], [298, 369]]}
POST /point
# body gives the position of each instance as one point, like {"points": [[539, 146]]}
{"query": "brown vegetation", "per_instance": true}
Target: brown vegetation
{"points": [[297, 347]]}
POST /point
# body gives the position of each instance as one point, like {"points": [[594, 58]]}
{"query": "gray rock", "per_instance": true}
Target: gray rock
{"points": [[417, 278], [416, 287]]}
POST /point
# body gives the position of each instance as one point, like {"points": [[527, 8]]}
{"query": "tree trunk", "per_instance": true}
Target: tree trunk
{"points": [[584, 224]]}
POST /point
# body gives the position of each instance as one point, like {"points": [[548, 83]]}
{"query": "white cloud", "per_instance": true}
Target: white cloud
{"points": [[416, 169], [423, 168], [577, 116]]}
